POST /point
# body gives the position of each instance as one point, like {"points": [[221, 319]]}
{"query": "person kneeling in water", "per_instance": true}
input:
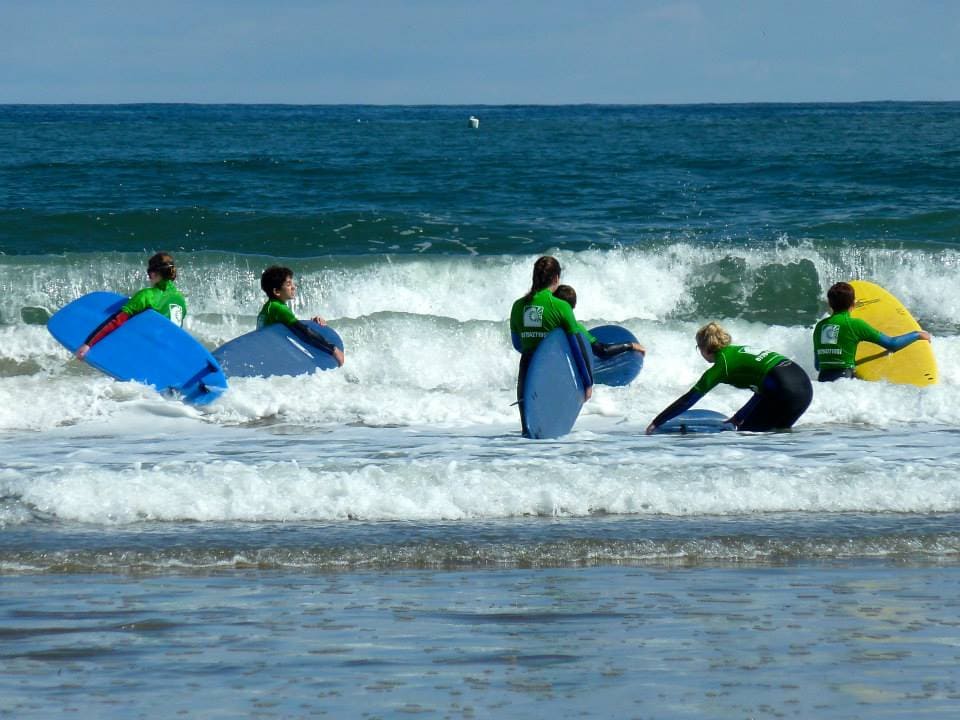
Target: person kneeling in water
{"points": [[782, 390], [601, 350], [835, 338], [277, 283]]}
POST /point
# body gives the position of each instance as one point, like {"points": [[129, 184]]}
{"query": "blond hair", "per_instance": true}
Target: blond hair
{"points": [[711, 337]]}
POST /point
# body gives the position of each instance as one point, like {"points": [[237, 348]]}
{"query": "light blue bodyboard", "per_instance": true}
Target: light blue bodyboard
{"points": [[553, 388], [148, 348], [620, 369], [276, 350], [696, 421]]}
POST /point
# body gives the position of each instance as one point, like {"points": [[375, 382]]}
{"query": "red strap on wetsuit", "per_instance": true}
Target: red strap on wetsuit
{"points": [[108, 327]]}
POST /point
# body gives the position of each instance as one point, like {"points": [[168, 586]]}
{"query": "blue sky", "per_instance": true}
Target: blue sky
{"points": [[482, 52]]}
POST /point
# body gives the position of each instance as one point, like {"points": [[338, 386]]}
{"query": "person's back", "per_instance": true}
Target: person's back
{"points": [[835, 338], [739, 366], [533, 317], [164, 297]]}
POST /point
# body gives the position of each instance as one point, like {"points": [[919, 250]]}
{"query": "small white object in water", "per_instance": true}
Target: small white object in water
{"points": [[474, 121]]}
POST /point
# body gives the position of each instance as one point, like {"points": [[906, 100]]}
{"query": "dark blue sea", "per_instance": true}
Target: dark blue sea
{"points": [[379, 541]]}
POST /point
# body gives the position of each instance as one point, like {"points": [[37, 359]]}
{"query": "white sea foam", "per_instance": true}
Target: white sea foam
{"points": [[405, 369], [420, 424], [156, 472], [630, 283]]}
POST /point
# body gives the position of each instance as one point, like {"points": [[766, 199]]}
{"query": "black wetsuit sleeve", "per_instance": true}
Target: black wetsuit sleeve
{"points": [[308, 334], [608, 350]]}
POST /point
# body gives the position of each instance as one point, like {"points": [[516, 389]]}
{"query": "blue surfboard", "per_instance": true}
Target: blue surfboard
{"points": [[696, 421], [148, 348], [276, 350], [620, 369], [553, 388]]}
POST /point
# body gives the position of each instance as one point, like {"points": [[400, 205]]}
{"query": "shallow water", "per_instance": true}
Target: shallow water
{"points": [[833, 640]]}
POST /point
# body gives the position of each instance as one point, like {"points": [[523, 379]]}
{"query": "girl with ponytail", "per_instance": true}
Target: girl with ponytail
{"points": [[782, 390], [162, 296], [533, 316]]}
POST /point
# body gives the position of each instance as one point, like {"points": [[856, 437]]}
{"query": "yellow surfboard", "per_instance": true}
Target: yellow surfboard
{"points": [[915, 364]]}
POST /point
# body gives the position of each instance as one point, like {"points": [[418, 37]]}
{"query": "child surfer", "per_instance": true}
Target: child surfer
{"points": [[835, 338], [162, 296], [277, 283]]}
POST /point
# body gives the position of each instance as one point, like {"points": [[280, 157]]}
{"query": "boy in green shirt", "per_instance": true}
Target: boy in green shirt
{"points": [[277, 283], [601, 350], [835, 338]]}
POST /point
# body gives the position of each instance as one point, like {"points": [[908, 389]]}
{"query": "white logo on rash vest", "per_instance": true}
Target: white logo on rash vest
{"points": [[829, 334], [533, 316], [176, 315]]}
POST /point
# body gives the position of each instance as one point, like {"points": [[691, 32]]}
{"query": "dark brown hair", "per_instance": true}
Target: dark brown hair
{"points": [[841, 296], [545, 270], [162, 264], [567, 293], [273, 279]]}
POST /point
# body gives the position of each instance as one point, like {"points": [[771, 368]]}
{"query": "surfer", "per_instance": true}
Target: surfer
{"points": [[533, 316], [277, 283], [601, 350], [162, 296], [835, 338], [782, 390]]}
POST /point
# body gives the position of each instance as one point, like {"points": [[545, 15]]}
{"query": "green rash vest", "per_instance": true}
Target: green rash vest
{"points": [[162, 297], [531, 321], [835, 340], [738, 366], [274, 311]]}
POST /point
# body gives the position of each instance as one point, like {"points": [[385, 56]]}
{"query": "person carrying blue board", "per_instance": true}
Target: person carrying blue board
{"points": [[162, 296], [533, 316], [782, 390], [835, 338], [277, 283], [601, 350]]}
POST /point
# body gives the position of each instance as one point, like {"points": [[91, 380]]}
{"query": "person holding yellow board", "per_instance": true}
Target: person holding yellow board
{"points": [[835, 338]]}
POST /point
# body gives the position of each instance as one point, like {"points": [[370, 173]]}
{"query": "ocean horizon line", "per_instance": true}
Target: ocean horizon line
{"points": [[705, 103]]}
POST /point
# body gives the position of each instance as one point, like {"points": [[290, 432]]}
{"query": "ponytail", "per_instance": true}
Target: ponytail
{"points": [[711, 337], [545, 270]]}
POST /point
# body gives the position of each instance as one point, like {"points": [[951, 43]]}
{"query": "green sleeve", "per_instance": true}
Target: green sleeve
{"points": [[516, 317], [864, 331], [570, 323], [713, 376], [567, 319], [139, 302]]}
